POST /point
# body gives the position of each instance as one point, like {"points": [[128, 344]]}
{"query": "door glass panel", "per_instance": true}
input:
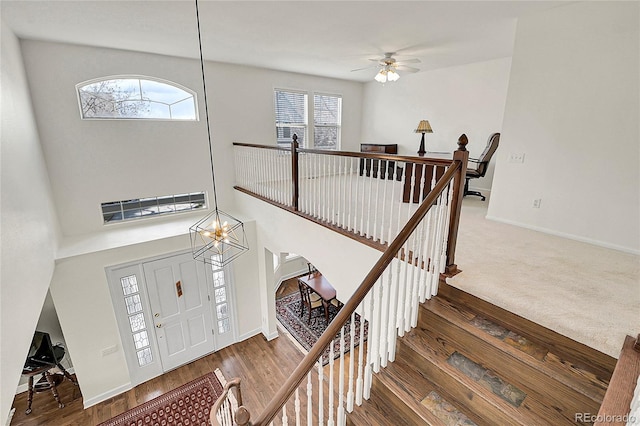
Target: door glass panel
{"points": [[133, 304], [137, 322], [141, 339], [222, 310], [129, 284], [221, 302], [144, 357], [224, 326], [218, 278], [221, 295]]}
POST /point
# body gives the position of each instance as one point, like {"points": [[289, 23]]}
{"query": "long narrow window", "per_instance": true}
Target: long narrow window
{"points": [[132, 97], [291, 116], [138, 208], [327, 119]]}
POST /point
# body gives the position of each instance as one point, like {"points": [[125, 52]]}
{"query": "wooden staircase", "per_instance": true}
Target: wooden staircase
{"points": [[469, 362]]}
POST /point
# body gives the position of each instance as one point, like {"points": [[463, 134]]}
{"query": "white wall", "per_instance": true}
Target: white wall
{"points": [[466, 99], [280, 231], [80, 290], [94, 161], [27, 219], [572, 109]]}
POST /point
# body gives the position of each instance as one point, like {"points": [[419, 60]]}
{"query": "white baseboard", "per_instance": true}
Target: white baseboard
{"points": [[11, 413], [270, 336], [88, 402], [565, 235], [25, 386], [286, 277], [249, 335]]}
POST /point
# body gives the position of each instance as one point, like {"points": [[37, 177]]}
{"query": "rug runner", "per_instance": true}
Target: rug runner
{"points": [[188, 405]]}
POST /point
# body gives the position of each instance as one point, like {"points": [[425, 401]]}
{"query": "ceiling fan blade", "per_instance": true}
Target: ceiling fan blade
{"points": [[409, 61], [407, 69], [365, 68]]}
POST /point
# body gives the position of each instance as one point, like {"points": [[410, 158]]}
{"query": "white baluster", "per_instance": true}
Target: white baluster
{"points": [[385, 284], [377, 197], [285, 419], [388, 181], [402, 286], [297, 406], [352, 338], [330, 421], [309, 400], [369, 208], [341, 415], [394, 269], [334, 190], [325, 192], [350, 200], [320, 392], [360, 379], [375, 341], [366, 391]]}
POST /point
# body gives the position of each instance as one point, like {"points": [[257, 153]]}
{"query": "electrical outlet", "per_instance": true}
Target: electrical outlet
{"points": [[536, 203], [516, 157]]}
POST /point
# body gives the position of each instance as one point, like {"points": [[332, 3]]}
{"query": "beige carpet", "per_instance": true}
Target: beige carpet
{"points": [[588, 293]]}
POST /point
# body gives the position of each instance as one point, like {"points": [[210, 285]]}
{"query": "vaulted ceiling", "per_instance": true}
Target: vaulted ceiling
{"points": [[327, 38]]}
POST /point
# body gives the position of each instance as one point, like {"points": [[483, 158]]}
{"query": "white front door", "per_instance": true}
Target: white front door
{"points": [[181, 309]]}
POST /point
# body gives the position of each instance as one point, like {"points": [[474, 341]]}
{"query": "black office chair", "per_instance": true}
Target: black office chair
{"points": [[482, 164]]}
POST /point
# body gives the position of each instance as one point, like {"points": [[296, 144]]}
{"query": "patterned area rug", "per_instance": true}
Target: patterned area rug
{"points": [[308, 333], [187, 405]]}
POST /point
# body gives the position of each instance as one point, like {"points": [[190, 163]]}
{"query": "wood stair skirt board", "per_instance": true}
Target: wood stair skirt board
{"points": [[469, 362]]}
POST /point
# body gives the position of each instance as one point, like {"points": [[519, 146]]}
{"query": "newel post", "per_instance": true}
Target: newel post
{"points": [[461, 155], [294, 172]]}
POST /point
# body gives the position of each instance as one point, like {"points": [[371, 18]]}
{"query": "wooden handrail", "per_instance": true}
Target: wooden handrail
{"points": [[372, 155], [285, 391], [617, 401], [241, 416]]}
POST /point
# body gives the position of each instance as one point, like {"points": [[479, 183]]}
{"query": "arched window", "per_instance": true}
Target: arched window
{"points": [[135, 97]]}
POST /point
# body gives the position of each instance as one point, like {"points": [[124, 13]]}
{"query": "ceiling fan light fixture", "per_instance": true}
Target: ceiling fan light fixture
{"points": [[392, 75], [381, 77]]}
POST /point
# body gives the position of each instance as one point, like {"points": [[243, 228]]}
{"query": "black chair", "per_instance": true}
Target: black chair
{"points": [[481, 164]]}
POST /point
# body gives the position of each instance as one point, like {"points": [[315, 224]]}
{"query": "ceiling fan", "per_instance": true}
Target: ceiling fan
{"points": [[388, 67]]}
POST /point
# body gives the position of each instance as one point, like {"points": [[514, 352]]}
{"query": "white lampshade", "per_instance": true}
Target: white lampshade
{"points": [[381, 77]]}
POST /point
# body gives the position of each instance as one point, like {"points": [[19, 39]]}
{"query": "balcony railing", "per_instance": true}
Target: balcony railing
{"points": [[416, 251], [366, 196]]}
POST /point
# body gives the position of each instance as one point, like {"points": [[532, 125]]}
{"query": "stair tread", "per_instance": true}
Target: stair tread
{"points": [[572, 376], [471, 395], [376, 411], [570, 351], [409, 388]]}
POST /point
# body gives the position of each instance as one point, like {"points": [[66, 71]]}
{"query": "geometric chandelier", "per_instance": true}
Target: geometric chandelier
{"points": [[218, 238]]}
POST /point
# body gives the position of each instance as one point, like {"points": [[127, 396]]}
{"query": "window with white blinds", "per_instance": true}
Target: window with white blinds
{"points": [[291, 116], [327, 118]]}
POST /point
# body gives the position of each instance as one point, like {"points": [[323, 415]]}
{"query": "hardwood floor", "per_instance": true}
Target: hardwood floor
{"points": [[263, 366]]}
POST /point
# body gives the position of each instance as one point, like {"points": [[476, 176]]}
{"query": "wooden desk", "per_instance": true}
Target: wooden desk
{"points": [[378, 168], [416, 197], [323, 288]]}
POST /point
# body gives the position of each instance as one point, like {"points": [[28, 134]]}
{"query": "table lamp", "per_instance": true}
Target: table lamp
{"points": [[423, 127]]}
